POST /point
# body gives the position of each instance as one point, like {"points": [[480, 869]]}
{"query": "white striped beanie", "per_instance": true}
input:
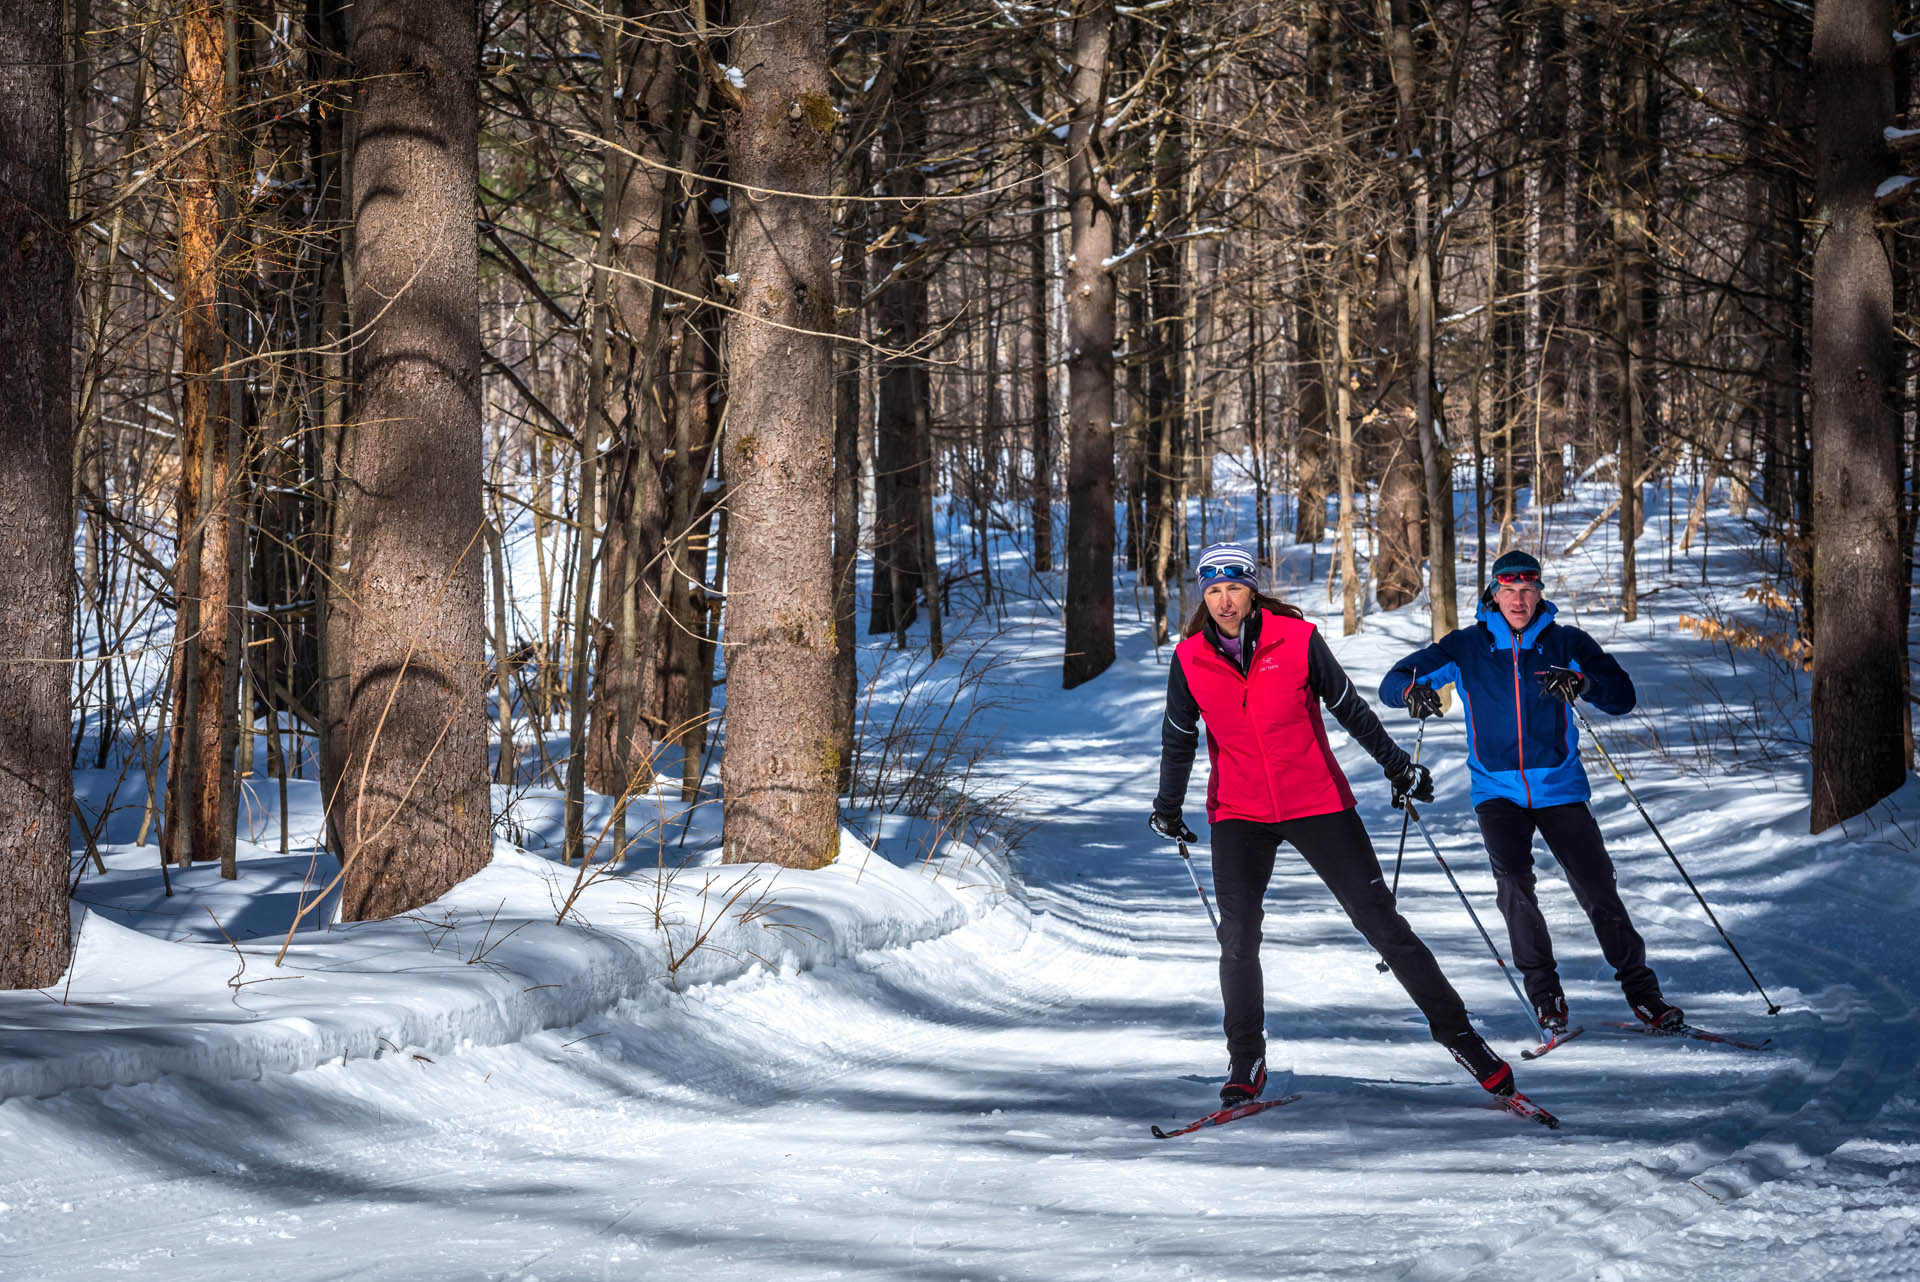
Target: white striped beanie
{"points": [[1224, 554]]}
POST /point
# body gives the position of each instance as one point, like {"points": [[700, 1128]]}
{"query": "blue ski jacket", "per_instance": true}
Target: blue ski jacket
{"points": [[1522, 743]]}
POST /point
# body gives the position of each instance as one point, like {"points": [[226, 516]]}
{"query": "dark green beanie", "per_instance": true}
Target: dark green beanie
{"points": [[1516, 561]]}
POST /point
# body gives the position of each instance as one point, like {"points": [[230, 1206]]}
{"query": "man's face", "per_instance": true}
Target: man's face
{"points": [[1518, 597]]}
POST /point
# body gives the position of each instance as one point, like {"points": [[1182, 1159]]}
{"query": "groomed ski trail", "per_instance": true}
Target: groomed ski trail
{"points": [[976, 1105]]}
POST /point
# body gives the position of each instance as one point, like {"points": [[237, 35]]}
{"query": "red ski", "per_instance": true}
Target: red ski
{"points": [[1221, 1116], [1559, 1039], [1520, 1106]]}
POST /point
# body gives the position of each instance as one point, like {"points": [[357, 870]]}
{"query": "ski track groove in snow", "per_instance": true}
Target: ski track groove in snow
{"points": [[1860, 1063]]}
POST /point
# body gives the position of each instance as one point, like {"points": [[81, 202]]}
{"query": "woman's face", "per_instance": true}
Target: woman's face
{"points": [[1229, 603]]}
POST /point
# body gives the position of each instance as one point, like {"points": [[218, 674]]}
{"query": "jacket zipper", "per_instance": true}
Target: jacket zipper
{"points": [[1519, 726], [1259, 742]]}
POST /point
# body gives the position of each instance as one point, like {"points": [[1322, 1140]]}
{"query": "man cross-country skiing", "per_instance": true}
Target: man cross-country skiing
{"points": [[1257, 673], [1518, 671]]}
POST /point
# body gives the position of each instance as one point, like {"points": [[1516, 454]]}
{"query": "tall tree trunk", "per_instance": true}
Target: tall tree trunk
{"points": [[416, 793], [1041, 384], [200, 776], [648, 120], [1550, 125], [1416, 151], [849, 380], [1859, 631], [1506, 309], [324, 450], [1629, 168], [1350, 586], [1587, 266], [36, 485], [596, 427], [902, 457], [1090, 333], [1312, 365], [1163, 339], [781, 767]]}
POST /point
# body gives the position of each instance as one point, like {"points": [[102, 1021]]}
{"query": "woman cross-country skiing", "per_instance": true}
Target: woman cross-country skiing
{"points": [[1517, 671], [1257, 672]]}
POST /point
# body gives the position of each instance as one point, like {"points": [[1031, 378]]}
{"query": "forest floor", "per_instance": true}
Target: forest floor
{"points": [[944, 1062]]}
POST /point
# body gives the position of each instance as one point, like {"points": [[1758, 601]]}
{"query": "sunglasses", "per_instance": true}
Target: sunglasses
{"points": [[1522, 579], [1235, 572]]}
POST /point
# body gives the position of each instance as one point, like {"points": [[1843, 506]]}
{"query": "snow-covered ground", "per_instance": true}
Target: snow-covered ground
{"points": [[946, 1067]]}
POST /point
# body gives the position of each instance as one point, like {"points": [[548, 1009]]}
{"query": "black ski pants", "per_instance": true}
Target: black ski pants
{"points": [[1335, 846], [1574, 838]]}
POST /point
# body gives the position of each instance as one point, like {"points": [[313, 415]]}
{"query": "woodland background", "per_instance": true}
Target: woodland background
{"points": [[310, 316]]}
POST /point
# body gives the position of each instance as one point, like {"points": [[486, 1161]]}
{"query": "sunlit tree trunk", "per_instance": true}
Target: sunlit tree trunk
{"points": [[201, 774], [780, 768], [1090, 334]]}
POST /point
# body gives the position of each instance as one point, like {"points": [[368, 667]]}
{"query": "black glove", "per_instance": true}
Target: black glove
{"points": [[1413, 780], [1563, 683], [1423, 701], [1171, 827]]}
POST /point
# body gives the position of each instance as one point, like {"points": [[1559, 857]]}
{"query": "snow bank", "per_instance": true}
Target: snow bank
{"points": [[484, 965]]}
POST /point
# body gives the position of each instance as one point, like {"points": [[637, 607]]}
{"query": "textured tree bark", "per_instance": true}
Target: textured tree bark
{"points": [[1090, 333], [626, 708], [781, 766], [1416, 149], [1859, 629], [1312, 445], [1550, 124], [849, 380], [902, 461], [1506, 306], [1041, 498], [415, 789], [1400, 513], [324, 449], [1585, 221], [1350, 585], [200, 783], [1629, 166], [36, 482], [1161, 338]]}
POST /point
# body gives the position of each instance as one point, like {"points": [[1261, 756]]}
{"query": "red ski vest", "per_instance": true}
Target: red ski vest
{"points": [[1265, 740]]}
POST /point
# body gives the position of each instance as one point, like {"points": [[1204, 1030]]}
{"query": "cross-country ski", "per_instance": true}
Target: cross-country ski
{"points": [[1689, 1031], [1221, 1116]]}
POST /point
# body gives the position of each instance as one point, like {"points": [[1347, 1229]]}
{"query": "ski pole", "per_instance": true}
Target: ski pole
{"points": [[1506, 970], [1187, 859], [1773, 1007], [1401, 854], [1418, 735]]}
